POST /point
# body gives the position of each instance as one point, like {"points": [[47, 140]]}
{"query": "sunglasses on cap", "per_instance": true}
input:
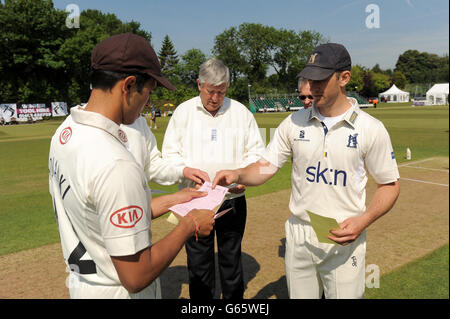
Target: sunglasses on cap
{"points": [[303, 97]]}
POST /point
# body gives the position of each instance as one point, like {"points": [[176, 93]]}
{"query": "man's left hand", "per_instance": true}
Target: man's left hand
{"points": [[238, 189], [348, 230]]}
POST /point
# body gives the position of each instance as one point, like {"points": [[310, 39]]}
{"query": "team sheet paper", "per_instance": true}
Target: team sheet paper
{"points": [[322, 226], [212, 201]]}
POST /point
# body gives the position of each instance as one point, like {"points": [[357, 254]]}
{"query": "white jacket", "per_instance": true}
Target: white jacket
{"points": [[228, 140]]}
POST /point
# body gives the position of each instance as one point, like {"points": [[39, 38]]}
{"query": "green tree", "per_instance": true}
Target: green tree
{"points": [[356, 82], [377, 69], [95, 26], [252, 50], [168, 58], [442, 74], [184, 77], [422, 67], [239, 89], [182, 93], [381, 82], [399, 79], [226, 48], [32, 32], [190, 65], [375, 83], [256, 43], [291, 51], [41, 59]]}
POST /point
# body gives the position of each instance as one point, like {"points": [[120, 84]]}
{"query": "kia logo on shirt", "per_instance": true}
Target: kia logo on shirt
{"points": [[126, 217]]}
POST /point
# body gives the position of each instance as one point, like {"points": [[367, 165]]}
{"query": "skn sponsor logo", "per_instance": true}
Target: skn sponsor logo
{"points": [[127, 217], [329, 176]]}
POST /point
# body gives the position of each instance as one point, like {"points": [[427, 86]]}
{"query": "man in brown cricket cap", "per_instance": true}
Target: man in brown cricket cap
{"points": [[100, 194]]}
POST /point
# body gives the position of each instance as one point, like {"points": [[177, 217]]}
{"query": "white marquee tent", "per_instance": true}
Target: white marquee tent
{"points": [[394, 94], [438, 94]]}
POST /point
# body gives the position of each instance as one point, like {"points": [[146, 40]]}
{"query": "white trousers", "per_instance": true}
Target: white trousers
{"points": [[313, 267]]}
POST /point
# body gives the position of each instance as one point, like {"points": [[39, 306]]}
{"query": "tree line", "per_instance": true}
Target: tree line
{"points": [[412, 68], [42, 60]]}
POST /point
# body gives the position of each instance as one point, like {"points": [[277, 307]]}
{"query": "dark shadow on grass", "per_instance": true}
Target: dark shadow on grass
{"points": [[276, 288], [173, 279]]}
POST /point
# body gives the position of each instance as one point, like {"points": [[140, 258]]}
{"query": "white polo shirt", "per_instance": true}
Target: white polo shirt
{"points": [[142, 144], [330, 171], [228, 140], [101, 200]]}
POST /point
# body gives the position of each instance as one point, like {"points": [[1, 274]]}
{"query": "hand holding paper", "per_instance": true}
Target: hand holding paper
{"points": [[349, 230], [322, 226], [203, 220], [187, 194], [212, 201]]}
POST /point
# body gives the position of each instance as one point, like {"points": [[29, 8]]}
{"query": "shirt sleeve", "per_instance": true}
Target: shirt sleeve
{"points": [[254, 145], [172, 144], [157, 169], [380, 159], [279, 149], [120, 196]]}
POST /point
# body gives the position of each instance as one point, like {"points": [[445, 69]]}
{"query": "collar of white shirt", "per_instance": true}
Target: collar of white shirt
{"points": [[225, 106], [350, 115], [97, 120]]}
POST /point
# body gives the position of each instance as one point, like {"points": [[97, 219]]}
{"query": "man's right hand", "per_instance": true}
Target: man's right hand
{"points": [[204, 218], [225, 178]]}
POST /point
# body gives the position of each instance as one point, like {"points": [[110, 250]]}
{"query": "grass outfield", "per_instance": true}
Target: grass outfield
{"points": [[425, 278], [26, 214]]}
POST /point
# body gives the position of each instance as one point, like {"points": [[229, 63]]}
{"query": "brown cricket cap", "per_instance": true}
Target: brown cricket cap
{"points": [[325, 60], [129, 53]]}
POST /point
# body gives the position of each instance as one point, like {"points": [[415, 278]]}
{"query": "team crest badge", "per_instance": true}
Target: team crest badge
{"points": [[312, 58], [301, 136], [65, 135], [352, 140], [122, 136]]}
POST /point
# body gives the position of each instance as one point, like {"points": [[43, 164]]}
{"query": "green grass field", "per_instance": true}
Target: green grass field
{"points": [[425, 278], [26, 213]]}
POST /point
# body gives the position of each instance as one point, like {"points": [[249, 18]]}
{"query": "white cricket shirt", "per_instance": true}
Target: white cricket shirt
{"points": [[142, 144], [101, 201], [228, 140], [330, 171]]}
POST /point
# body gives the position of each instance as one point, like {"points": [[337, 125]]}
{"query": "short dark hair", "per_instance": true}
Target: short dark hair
{"points": [[105, 80]]}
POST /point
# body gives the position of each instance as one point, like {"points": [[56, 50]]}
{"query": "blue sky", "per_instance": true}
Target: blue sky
{"points": [[422, 25]]}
